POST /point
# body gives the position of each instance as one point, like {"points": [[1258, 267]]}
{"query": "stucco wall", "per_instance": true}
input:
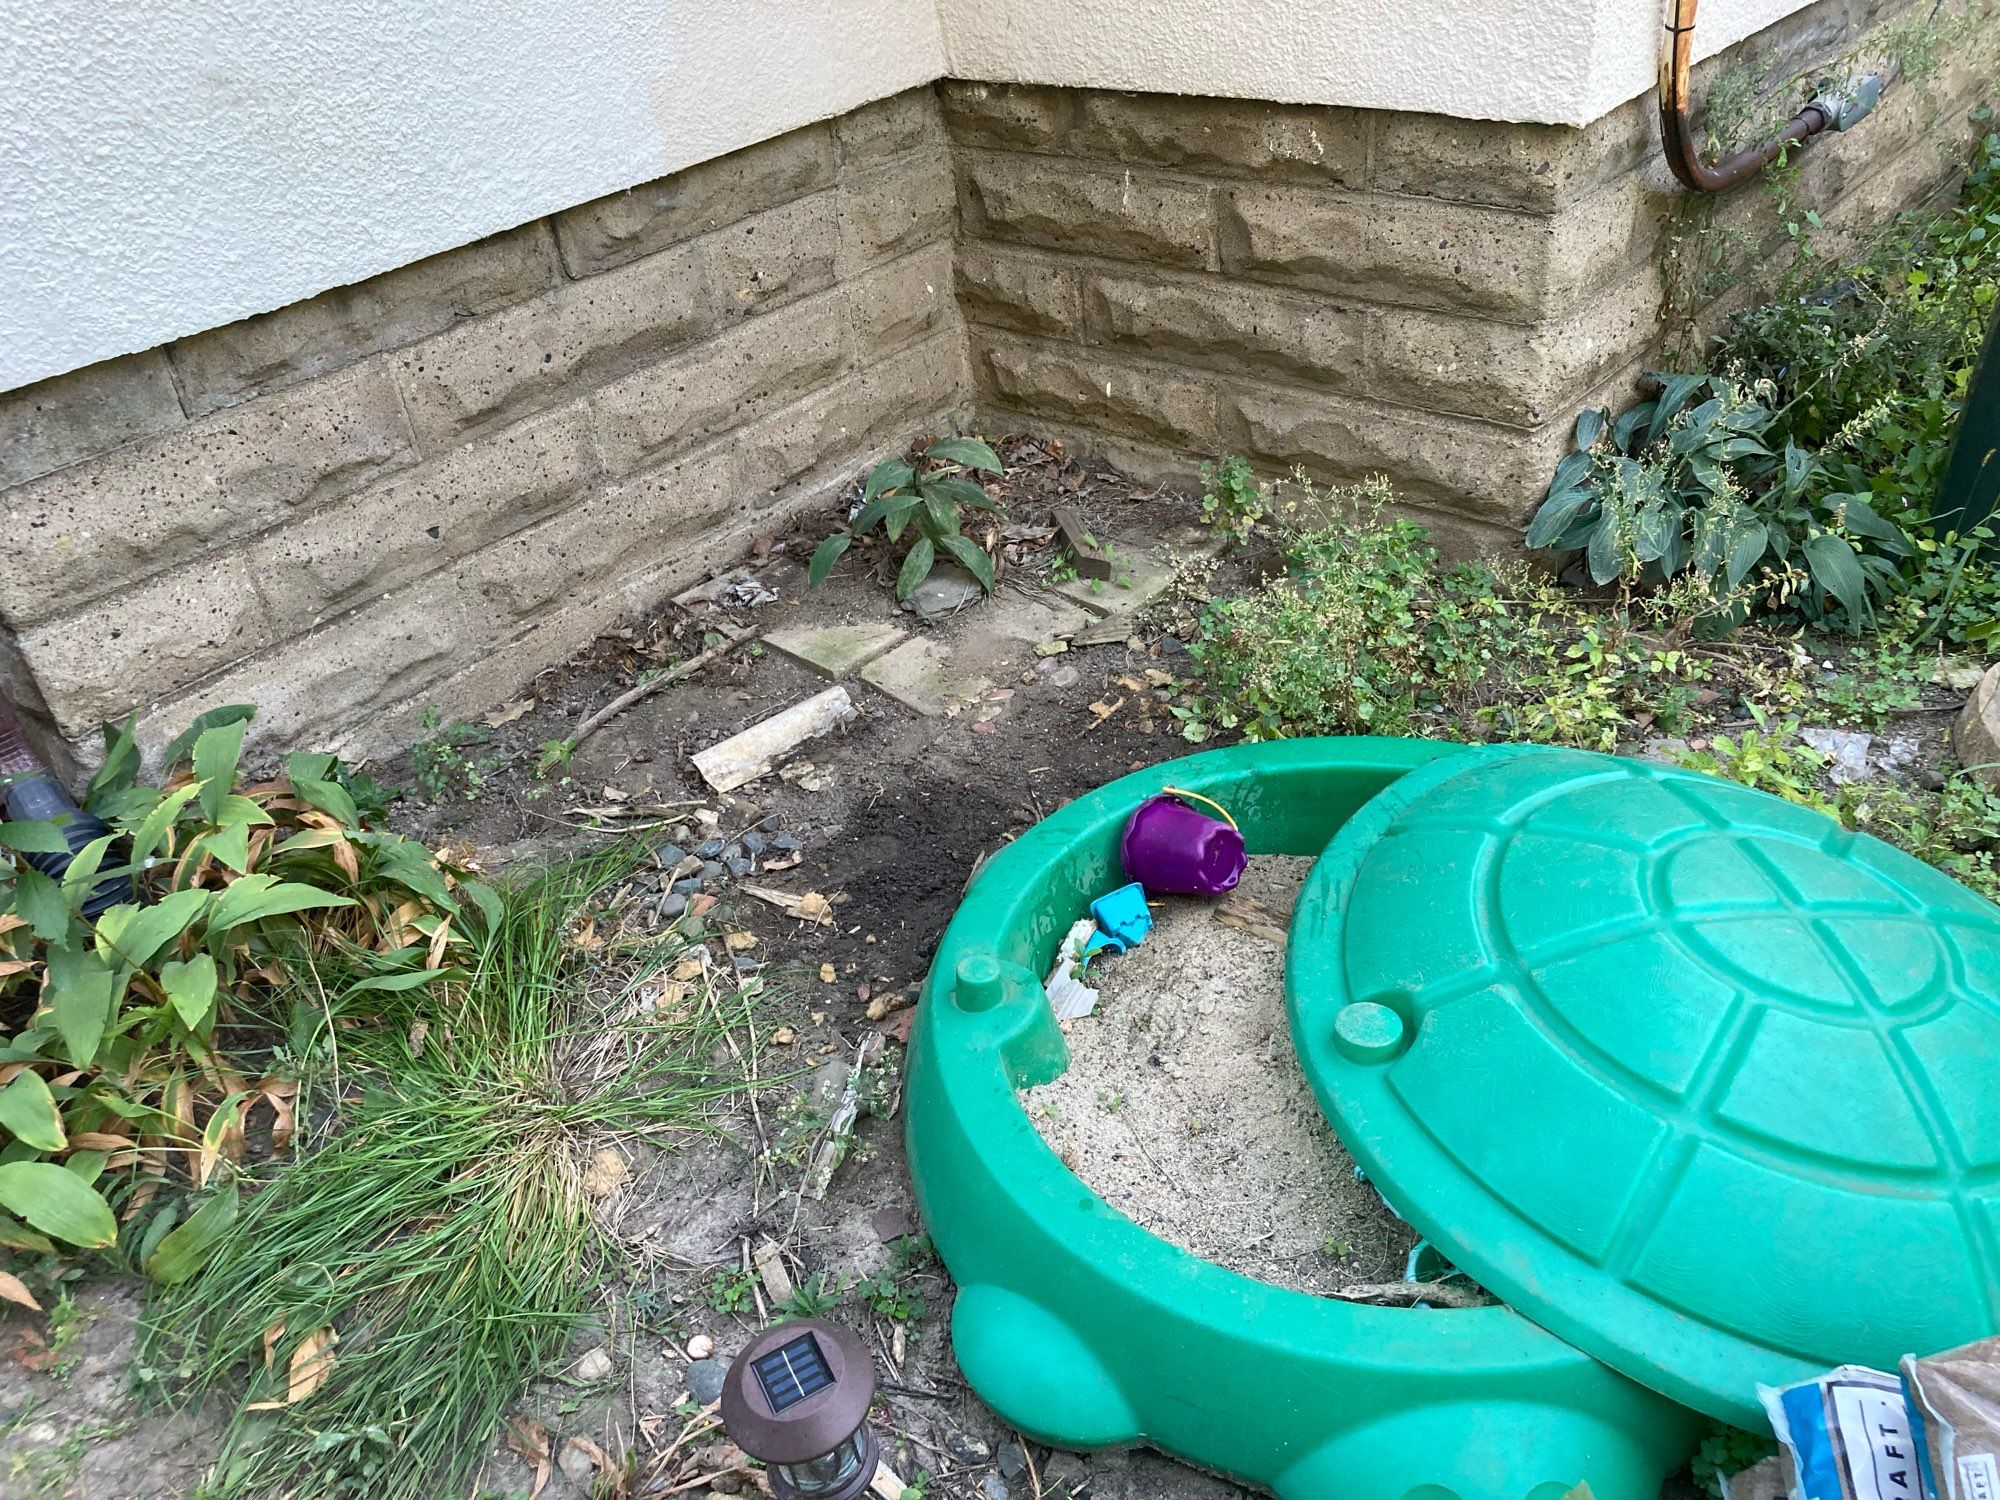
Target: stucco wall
{"points": [[172, 165], [1523, 60], [175, 165]]}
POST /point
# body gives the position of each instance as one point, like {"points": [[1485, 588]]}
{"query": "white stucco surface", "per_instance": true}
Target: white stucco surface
{"points": [[1556, 61], [171, 165]]}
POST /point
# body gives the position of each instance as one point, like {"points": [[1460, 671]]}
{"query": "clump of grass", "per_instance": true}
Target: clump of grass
{"points": [[381, 1305]]}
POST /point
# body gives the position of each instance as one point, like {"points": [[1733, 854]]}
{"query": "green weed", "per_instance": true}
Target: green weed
{"points": [[391, 1294]]}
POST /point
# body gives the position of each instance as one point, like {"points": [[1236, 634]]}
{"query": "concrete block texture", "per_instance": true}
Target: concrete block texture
{"points": [[427, 487]]}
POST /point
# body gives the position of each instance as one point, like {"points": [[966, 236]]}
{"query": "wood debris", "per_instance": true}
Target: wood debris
{"points": [[744, 757], [1239, 911]]}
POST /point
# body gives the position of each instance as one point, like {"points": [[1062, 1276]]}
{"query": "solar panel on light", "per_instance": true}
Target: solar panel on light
{"points": [[792, 1372]]}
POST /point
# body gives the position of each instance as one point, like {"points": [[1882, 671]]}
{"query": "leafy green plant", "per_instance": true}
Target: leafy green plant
{"points": [[445, 763], [110, 1045], [1768, 756], [405, 1280], [1725, 1451], [815, 1297], [1688, 482], [926, 499], [730, 1289], [1233, 499]]}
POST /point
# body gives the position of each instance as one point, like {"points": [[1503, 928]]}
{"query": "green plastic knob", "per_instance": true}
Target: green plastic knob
{"points": [[1368, 1032], [979, 983]]}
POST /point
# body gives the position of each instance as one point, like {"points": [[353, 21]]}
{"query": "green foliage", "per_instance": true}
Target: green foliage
{"points": [[815, 1297], [927, 500], [731, 1290], [112, 1026], [446, 762], [1367, 633], [439, 1245], [1956, 828], [1725, 1451], [1766, 756], [1690, 482], [1807, 489], [1233, 499]]}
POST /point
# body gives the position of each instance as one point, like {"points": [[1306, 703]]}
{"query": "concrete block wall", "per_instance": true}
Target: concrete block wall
{"points": [[424, 488], [427, 487], [1363, 291]]}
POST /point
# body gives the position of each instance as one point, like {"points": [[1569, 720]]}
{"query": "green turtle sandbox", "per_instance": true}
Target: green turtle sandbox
{"points": [[1084, 1330], [1690, 1075]]}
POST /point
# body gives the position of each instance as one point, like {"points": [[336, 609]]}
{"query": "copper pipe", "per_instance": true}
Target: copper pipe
{"points": [[1677, 136]]}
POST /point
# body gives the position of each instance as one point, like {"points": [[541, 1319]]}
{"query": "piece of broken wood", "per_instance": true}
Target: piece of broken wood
{"points": [[1091, 560], [744, 757], [1410, 1293], [652, 685], [810, 907], [1253, 917]]}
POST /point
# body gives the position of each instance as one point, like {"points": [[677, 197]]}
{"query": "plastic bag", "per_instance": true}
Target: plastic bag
{"points": [[1848, 1436], [1955, 1397]]}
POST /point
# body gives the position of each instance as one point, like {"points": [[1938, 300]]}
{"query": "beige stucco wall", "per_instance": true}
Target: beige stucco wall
{"points": [[1562, 62], [174, 166]]}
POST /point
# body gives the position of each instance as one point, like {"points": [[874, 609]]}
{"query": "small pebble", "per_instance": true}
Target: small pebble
{"points": [[668, 855], [711, 869], [731, 851], [705, 1378], [594, 1366], [1013, 1459], [700, 1346], [738, 865], [785, 843], [673, 905], [708, 848], [690, 886], [993, 1487], [754, 842]]}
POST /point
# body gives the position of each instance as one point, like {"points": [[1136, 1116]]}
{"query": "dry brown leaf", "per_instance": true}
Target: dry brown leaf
{"points": [[418, 1031], [507, 713], [31, 1351], [827, 974], [14, 1289], [271, 1336], [98, 1140], [435, 958], [530, 1439], [311, 1363]]}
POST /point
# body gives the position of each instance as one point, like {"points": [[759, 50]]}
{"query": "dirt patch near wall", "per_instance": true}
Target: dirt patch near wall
{"points": [[1185, 1109]]}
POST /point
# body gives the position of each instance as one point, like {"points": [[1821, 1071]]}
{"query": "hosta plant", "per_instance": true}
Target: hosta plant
{"points": [[115, 1070], [925, 501], [1688, 483]]}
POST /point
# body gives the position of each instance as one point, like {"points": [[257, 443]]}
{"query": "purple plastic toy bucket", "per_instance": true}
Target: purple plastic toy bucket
{"points": [[1170, 847]]}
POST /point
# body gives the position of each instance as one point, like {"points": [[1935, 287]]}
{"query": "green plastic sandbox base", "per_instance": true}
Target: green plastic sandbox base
{"points": [[1085, 1331]]}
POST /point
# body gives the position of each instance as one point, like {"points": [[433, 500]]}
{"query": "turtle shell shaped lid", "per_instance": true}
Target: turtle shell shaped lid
{"points": [[1691, 1075]]}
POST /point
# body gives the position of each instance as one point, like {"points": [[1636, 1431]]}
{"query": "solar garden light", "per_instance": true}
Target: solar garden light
{"points": [[797, 1398]]}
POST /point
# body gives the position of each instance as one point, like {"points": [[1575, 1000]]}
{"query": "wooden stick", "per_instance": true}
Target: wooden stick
{"points": [[652, 685]]}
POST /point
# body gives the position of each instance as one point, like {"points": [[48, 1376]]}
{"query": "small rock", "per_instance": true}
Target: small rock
{"points": [[576, 1466], [738, 866], [967, 1449], [753, 842], [689, 887], [673, 904], [700, 1346], [668, 855], [829, 1082], [707, 817], [594, 1366], [784, 843], [1067, 1471], [948, 589], [1961, 677], [607, 1169], [1929, 778], [1013, 1459], [992, 1487], [708, 848], [1976, 735], [1065, 677], [705, 1378], [1845, 749]]}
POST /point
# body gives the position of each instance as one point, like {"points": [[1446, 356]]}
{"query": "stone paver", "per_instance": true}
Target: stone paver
{"points": [[833, 651], [1976, 736], [1142, 576], [926, 676]]}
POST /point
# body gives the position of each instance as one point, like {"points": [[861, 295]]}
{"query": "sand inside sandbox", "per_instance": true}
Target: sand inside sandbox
{"points": [[1185, 1109]]}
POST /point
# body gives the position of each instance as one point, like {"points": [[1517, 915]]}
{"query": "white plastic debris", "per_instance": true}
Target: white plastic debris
{"points": [[1069, 997]]}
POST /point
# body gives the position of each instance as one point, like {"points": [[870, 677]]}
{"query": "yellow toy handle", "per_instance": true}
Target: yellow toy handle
{"points": [[1176, 791]]}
